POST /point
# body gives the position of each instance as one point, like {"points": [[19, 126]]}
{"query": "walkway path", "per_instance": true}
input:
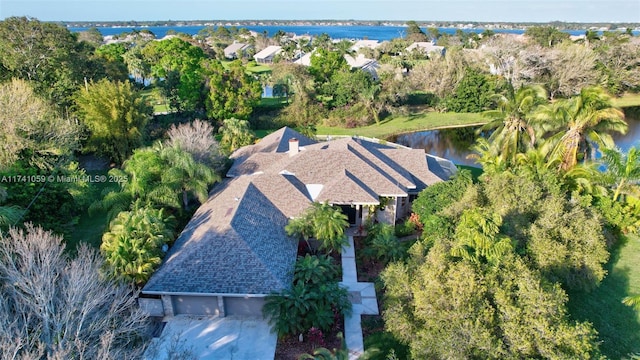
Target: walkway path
{"points": [[363, 298]]}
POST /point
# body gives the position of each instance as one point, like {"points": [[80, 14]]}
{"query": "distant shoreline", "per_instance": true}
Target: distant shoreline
{"points": [[437, 24]]}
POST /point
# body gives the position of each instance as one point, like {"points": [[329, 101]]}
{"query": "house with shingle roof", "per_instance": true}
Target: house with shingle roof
{"points": [[426, 47], [236, 50], [234, 251]]}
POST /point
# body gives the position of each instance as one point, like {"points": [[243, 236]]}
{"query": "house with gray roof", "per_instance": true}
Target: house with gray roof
{"points": [[236, 50], [268, 54], [427, 48], [234, 251]]}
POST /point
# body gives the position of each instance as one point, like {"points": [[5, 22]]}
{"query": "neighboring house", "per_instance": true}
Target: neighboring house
{"points": [[358, 62], [371, 44], [234, 251], [236, 50], [267, 55], [426, 47], [363, 63]]}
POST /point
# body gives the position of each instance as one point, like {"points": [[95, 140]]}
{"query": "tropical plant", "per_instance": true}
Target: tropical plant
{"points": [[133, 244], [116, 116], [9, 214], [186, 176], [622, 170], [588, 118], [479, 239], [323, 353], [236, 133], [232, 92], [514, 131], [303, 306], [315, 270], [383, 243], [329, 224]]}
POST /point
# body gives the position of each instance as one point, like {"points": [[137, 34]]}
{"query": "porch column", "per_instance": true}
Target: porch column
{"points": [[358, 215], [221, 312], [167, 304]]}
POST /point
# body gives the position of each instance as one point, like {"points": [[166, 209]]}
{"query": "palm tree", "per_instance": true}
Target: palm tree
{"points": [[488, 156], [587, 118], [132, 246], [329, 224], [622, 170], [9, 214], [633, 300], [514, 128], [478, 237], [235, 134], [186, 176]]}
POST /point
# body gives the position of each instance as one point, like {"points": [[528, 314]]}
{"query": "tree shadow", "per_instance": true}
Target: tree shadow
{"points": [[617, 324]]}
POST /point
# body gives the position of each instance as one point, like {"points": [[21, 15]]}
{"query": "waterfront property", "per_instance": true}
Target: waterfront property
{"points": [[234, 251]]}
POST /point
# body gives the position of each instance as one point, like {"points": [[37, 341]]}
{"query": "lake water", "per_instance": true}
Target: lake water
{"points": [[378, 32], [454, 144]]}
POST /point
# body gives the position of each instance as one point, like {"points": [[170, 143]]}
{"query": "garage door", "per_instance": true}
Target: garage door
{"points": [[243, 306], [195, 305]]}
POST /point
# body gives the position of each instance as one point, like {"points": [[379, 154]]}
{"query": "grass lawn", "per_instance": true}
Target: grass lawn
{"points": [[627, 100], [408, 123], [89, 229], [159, 106], [618, 325]]}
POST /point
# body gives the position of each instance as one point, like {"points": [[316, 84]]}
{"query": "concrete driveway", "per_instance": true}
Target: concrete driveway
{"points": [[214, 338]]}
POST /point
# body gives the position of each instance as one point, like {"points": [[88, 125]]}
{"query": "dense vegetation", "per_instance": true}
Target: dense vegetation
{"points": [[496, 258]]}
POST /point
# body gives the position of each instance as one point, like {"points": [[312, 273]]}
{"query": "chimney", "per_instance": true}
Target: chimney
{"points": [[293, 146]]}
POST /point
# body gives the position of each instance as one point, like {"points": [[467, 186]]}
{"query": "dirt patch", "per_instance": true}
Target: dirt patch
{"points": [[369, 269], [290, 348]]}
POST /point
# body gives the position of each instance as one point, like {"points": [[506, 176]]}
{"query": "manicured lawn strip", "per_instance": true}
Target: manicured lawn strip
{"points": [[627, 100], [618, 325], [408, 123]]}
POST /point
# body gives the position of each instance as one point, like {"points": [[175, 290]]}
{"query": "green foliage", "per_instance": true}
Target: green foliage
{"points": [[9, 214], [406, 228], [507, 311], [178, 67], [326, 354], [165, 177], [327, 223], [48, 204], [315, 270], [31, 131], [235, 134], [546, 36], [133, 244], [582, 122], [414, 33], [45, 54], [473, 93], [622, 170], [326, 63], [345, 86], [232, 92], [309, 302], [440, 195], [116, 116], [383, 244]]}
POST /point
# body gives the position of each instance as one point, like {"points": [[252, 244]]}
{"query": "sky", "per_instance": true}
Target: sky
{"points": [[420, 10]]}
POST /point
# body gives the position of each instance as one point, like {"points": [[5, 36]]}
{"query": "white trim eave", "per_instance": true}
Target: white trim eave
{"points": [[203, 294]]}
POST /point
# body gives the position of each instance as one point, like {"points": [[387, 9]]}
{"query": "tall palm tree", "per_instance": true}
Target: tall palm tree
{"points": [[186, 176], [235, 134], [622, 170], [588, 118], [514, 127]]}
